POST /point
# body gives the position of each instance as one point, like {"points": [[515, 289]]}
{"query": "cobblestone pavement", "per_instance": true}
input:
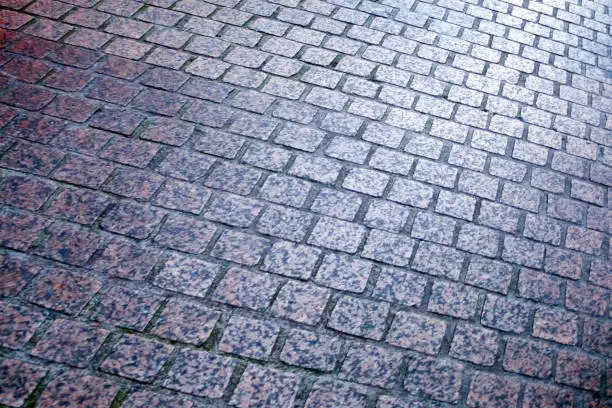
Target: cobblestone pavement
{"points": [[305, 203]]}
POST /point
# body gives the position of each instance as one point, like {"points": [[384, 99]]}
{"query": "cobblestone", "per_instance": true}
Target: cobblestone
{"points": [[305, 203]]}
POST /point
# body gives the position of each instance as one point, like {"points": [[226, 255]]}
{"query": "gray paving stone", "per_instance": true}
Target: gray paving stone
{"points": [[489, 274], [400, 285], [386, 216], [393, 249], [438, 260], [565, 209], [366, 181], [456, 205], [348, 149], [301, 302], [391, 161], [290, 259], [337, 234], [343, 273], [285, 190], [435, 173], [467, 157], [337, 204], [478, 184], [433, 228], [411, 192], [310, 350], [478, 240], [285, 223], [424, 146], [315, 168], [359, 317], [300, 137]]}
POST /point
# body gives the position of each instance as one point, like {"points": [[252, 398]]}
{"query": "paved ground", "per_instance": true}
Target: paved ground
{"points": [[316, 204]]}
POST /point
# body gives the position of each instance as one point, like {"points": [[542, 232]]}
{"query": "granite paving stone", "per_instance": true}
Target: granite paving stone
{"points": [[474, 344], [143, 399], [300, 302], [265, 387], [417, 332], [249, 337], [343, 273], [78, 205], [200, 373], [292, 260], [328, 393], [126, 307], [359, 317], [187, 275], [70, 342], [18, 324], [372, 365], [19, 379], [175, 322], [19, 230], [125, 259], [542, 395], [398, 285], [305, 203], [136, 358], [393, 249], [437, 379], [314, 351], [240, 247], [69, 244], [62, 289], [187, 234], [246, 288], [17, 272], [72, 389], [529, 358], [488, 390]]}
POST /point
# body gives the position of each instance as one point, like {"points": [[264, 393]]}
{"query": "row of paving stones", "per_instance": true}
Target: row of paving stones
{"points": [[76, 246], [196, 372], [354, 171]]}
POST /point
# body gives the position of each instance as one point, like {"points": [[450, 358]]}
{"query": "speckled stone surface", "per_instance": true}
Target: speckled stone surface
{"points": [[185, 321], [265, 387], [73, 389], [200, 373], [306, 349], [187, 275], [18, 380], [326, 393], [63, 290], [136, 358], [305, 203], [143, 399], [70, 342], [126, 307], [438, 379], [249, 338]]}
